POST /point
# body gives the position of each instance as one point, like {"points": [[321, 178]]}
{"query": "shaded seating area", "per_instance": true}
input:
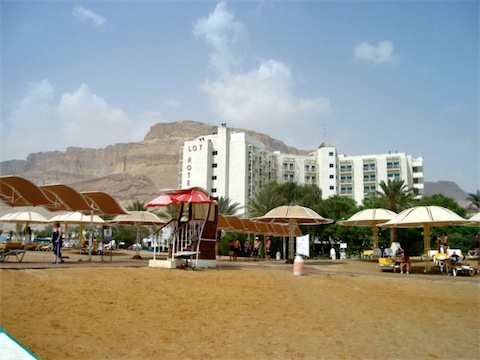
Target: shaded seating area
{"points": [[12, 249]]}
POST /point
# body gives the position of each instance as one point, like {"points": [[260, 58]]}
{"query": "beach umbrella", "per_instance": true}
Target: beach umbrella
{"points": [[77, 218], [24, 217], [192, 195], [293, 215], [370, 217], [425, 217], [138, 219], [474, 220]]}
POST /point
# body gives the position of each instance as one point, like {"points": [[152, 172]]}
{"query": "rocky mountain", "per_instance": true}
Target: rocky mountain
{"points": [[132, 171], [136, 171], [447, 188]]}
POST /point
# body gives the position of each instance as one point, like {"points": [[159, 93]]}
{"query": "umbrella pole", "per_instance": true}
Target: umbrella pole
{"points": [[426, 241], [137, 243], [90, 244], [291, 242], [375, 237]]}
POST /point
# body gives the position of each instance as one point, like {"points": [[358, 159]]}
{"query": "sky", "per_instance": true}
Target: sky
{"points": [[367, 77]]}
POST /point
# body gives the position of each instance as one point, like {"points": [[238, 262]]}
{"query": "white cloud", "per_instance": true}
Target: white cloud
{"points": [[84, 14], [80, 118], [383, 53], [255, 99], [219, 31], [172, 102]]}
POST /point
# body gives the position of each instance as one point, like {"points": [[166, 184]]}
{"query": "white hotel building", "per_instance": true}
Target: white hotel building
{"points": [[235, 165]]}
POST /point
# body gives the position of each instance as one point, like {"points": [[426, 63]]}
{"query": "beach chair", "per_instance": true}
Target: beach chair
{"points": [[388, 264], [473, 253], [439, 260], [85, 249], [31, 246], [367, 254], [12, 248], [455, 269], [388, 253]]}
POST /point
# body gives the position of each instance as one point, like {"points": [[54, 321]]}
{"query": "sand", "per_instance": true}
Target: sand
{"points": [[335, 310]]}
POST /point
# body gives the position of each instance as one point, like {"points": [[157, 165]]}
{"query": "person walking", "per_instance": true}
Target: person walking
{"points": [[256, 248], [247, 250], [268, 248], [237, 247], [57, 240]]}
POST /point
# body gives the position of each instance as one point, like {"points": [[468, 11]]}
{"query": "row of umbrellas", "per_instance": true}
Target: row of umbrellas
{"points": [[131, 218]]}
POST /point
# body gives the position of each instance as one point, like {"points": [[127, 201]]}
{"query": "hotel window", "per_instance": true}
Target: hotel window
{"points": [[332, 187], [214, 177], [393, 164], [330, 153], [214, 190], [331, 176], [214, 165], [215, 152], [330, 165]]}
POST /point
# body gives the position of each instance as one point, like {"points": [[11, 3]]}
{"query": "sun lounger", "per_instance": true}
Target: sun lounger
{"points": [[388, 252], [86, 250], [367, 254], [12, 248], [472, 254], [371, 254], [387, 263], [450, 267], [31, 246]]}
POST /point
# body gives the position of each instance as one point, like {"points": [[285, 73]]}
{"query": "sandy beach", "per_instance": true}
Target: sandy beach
{"points": [[336, 310]]}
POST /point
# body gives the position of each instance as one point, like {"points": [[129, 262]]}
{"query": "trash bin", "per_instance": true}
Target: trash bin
{"points": [[298, 265]]}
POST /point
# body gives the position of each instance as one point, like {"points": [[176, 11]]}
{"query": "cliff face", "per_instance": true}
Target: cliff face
{"points": [[132, 171]]}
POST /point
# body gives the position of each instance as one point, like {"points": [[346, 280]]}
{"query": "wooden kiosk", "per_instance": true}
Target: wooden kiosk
{"points": [[194, 231]]}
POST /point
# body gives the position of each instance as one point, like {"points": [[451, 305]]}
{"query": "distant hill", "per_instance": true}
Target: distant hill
{"points": [[447, 188], [131, 171], [136, 171]]}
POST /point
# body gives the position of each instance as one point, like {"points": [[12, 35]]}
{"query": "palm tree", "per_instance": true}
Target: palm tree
{"points": [[137, 205], [265, 200], [396, 196], [171, 212], [225, 206], [474, 200]]}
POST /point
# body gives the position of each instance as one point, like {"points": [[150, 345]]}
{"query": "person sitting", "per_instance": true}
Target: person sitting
{"points": [[405, 263], [403, 259], [457, 259]]}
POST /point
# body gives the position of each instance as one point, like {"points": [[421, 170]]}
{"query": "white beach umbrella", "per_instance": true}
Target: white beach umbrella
{"points": [[138, 219], [292, 215], [77, 218], [25, 217], [370, 217], [425, 217], [474, 220]]}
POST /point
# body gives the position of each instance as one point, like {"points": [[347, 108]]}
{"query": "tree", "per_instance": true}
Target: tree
{"points": [[225, 206], [137, 205], [265, 200], [396, 196], [441, 200], [474, 200]]}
